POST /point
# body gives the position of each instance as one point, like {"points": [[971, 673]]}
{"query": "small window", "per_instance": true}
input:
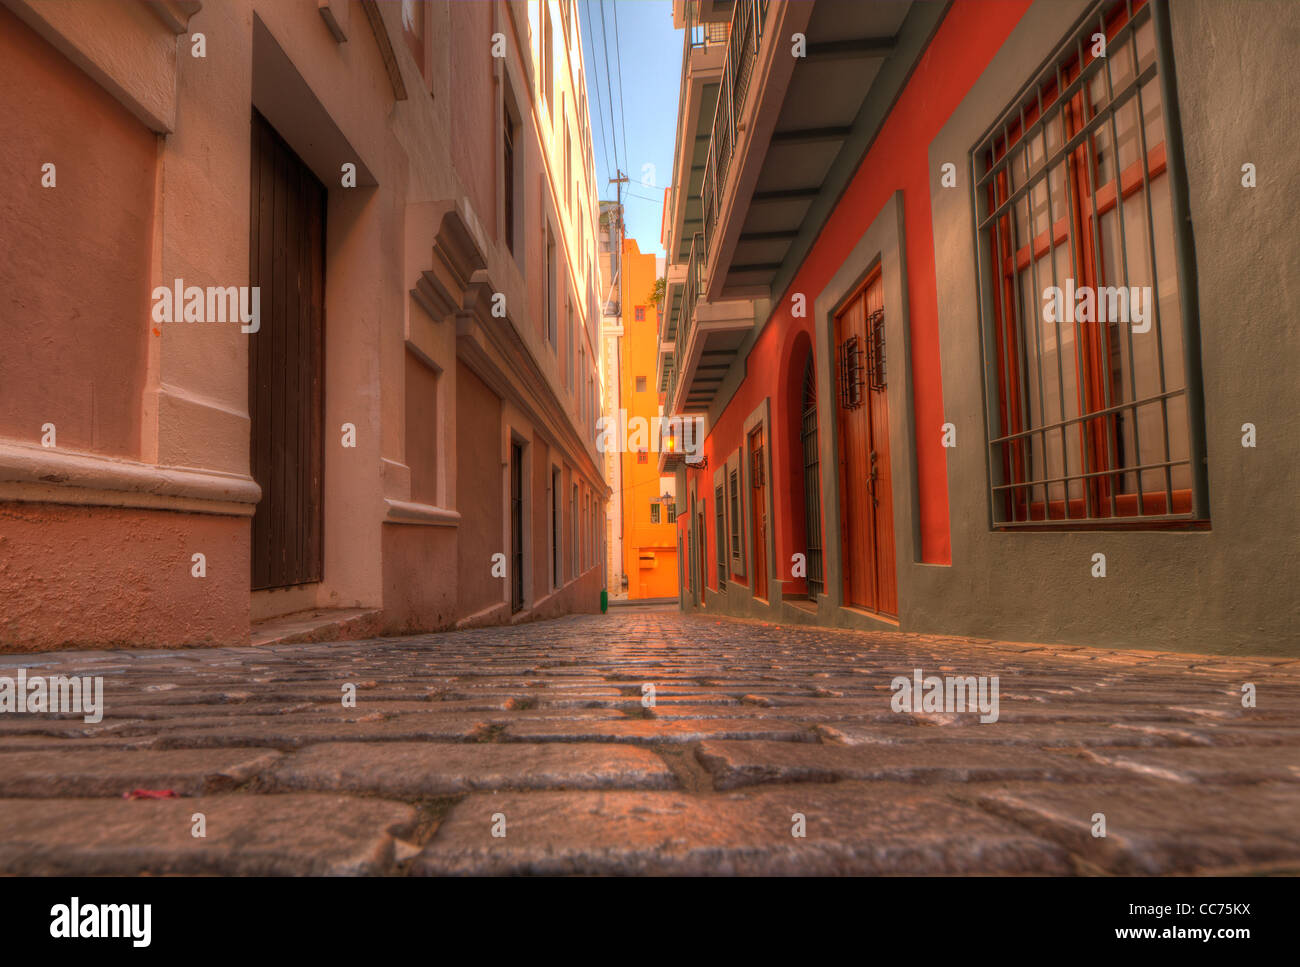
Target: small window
{"points": [[734, 484], [573, 531], [641, 457], [639, 313], [640, 384], [548, 68], [510, 175], [413, 33], [568, 163], [672, 512], [571, 347], [552, 296], [720, 526], [654, 511], [557, 511]]}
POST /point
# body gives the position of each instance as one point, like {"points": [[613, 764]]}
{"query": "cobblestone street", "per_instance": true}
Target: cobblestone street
{"points": [[538, 732]]}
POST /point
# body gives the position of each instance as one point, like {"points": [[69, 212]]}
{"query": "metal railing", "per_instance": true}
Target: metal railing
{"points": [[701, 35], [698, 37], [746, 35], [691, 288]]}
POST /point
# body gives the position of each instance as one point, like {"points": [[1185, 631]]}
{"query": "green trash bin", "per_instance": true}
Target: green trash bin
{"points": [[604, 600]]}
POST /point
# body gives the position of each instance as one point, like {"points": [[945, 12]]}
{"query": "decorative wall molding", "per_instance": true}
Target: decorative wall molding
{"points": [[410, 512], [37, 474], [175, 14], [441, 289], [380, 30]]}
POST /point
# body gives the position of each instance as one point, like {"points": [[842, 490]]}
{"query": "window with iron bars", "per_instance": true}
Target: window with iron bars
{"points": [[811, 481], [1081, 211], [734, 483], [720, 525]]}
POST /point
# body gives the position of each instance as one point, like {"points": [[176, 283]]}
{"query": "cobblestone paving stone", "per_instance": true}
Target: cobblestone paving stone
{"points": [[537, 731]]}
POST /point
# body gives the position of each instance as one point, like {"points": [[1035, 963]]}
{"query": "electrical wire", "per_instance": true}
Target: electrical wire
{"points": [[604, 41], [618, 59]]}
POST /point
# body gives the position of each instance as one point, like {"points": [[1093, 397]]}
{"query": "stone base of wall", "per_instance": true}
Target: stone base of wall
{"points": [[116, 577]]}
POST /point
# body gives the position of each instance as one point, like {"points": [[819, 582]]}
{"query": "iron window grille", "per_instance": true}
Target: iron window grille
{"points": [[851, 367], [508, 168], [702, 532], [1080, 185], [756, 478], [720, 526], [876, 350], [654, 511], [812, 482], [573, 532], [734, 482]]}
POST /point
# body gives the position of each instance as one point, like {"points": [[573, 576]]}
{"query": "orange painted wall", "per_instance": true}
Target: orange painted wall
{"points": [[969, 36], [641, 481]]}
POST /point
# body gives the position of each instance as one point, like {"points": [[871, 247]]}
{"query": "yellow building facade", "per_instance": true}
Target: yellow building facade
{"points": [[648, 500]]}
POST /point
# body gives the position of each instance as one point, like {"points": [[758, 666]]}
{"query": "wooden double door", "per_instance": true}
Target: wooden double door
{"points": [[862, 414], [286, 363]]}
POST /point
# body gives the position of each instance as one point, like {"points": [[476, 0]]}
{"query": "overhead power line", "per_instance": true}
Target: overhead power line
{"points": [[618, 59], [604, 41], [595, 80]]}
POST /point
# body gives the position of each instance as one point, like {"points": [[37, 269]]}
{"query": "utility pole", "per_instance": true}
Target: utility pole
{"points": [[620, 181]]}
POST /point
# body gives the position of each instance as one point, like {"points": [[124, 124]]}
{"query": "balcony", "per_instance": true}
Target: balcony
{"points": [[706, 338], [737, 70], [706, 26], [788, 132]]}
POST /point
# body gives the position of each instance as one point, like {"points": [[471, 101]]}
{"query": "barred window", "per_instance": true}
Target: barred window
{"points": [[654, 511], [1089, 328], [720, 526], [734, 483]]}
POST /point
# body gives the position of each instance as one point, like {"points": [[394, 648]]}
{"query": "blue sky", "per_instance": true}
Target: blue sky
{"points": [[650, 52]]}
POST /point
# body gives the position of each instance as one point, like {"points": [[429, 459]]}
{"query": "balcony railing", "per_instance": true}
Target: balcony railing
{"points": [[737, 68], [700, 36], [691, 289]]}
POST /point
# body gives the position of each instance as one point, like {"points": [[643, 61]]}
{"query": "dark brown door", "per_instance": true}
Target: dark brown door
{"points": [[286, 363], [758, 511], [866, 498], [516, 527]]}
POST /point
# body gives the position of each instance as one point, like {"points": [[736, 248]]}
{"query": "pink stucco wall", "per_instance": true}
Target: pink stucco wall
{"points": [[74, 258], [119, 577]]}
